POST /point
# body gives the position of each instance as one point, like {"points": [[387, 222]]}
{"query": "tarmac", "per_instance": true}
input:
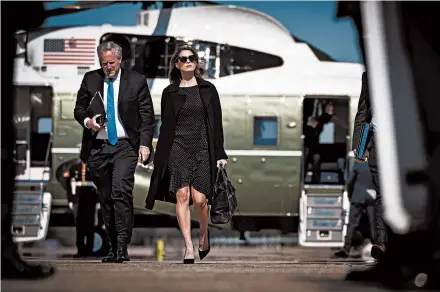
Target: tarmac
{"points": [[226, 268]]}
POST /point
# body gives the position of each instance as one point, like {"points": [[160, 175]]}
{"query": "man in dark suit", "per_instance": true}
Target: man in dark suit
{"points": [[112, 150], [361, 193], [363, 114], [415, 251]]}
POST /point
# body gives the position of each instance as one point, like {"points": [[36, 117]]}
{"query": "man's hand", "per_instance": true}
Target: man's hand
{"points": [[144, 153], [92, 124], [315, 123], [364, 158], [222, 162]]}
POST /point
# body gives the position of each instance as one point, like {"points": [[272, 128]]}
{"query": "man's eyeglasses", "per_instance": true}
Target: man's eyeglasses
{"points": [[191, 58]]}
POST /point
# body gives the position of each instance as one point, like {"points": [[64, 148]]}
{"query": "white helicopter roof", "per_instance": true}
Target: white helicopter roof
{"points": [[232, 25], [301, 70]]}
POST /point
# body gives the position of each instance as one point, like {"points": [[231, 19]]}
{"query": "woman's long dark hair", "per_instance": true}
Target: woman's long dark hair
{"points": [[174, 75]]}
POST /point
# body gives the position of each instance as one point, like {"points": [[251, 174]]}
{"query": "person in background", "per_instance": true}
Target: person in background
{"points": [[12, 264], [321, 114], [82, 199]]}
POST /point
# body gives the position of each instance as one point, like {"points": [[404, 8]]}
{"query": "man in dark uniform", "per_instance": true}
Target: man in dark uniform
{"points": [[82, 198], [361, 193], [314, 124], [416, 249], [13, 266]]}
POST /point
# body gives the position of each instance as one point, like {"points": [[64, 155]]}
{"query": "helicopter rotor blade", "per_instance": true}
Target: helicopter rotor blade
{"points": [[87, 5], [79, 6]]}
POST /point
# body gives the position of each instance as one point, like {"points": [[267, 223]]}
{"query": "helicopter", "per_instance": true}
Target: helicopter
{"points": [[267, 83]]}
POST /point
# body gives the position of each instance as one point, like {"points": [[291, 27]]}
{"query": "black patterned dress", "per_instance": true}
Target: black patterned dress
{"points": [[189, 157]]}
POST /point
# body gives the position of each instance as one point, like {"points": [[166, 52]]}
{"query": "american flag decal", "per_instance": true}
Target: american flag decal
{"points": [[71, 51]]}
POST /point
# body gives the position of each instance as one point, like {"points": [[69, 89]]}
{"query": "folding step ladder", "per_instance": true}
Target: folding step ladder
{"points": [[323, 215], [31, 204]]}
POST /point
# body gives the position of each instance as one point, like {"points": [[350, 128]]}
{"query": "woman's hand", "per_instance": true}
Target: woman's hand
{"points": [[221, 161]]}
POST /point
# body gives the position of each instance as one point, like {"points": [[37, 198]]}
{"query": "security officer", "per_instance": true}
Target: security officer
{"points": [[82, 197], [12, 265], [408, 254]]}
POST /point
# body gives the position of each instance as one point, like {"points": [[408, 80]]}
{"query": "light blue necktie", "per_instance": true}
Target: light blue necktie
{"points": [[111, 119]]}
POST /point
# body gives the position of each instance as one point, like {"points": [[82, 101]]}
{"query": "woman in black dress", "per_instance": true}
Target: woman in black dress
{"points": [[189, 148]]}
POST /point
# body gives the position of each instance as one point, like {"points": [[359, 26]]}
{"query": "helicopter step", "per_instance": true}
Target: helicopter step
{"points": [[30, 213], [323, 215]]}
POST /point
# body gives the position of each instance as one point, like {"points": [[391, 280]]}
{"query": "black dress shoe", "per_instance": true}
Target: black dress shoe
{"points": [[378, 251], [110, 258], [13, 267], [122, 255], [204, 253], [342, 253]]}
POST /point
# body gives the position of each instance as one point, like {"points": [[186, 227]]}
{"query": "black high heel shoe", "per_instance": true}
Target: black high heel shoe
{"points": [[204, 253], [187, 261]]}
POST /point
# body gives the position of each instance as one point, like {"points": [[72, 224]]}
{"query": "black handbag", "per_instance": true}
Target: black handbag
{"points": [[224, 202]]}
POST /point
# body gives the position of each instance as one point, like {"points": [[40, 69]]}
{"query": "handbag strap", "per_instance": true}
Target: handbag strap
{"points": [[219, 172]]}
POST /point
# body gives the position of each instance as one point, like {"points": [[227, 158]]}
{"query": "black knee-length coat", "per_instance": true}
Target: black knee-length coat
{"points": [[171, 103]]}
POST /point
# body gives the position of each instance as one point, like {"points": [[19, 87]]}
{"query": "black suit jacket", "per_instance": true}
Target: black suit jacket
{"points": [[363, 111], [134, 105]]}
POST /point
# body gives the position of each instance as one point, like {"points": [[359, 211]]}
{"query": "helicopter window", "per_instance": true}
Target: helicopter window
{"points": [[44, 126], [265, 131], [234, 60], [151, 55], [328, 134]]}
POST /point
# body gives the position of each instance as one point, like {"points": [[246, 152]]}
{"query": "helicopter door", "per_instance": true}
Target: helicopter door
{"points": [[33, 121], [32, 204], [324, 202]]}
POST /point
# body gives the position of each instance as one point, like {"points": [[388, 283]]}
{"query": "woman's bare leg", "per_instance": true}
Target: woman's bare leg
{"points": [[184, 219], [201, 209]]}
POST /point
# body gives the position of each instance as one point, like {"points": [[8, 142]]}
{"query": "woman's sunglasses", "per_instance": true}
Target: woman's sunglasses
{"points": [[191, 58]]}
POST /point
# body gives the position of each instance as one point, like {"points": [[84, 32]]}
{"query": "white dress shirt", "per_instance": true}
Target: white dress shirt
{"points": [[102, 134]]}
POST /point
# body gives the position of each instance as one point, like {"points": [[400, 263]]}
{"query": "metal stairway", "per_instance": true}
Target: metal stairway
{"points": [[323, 215]]}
